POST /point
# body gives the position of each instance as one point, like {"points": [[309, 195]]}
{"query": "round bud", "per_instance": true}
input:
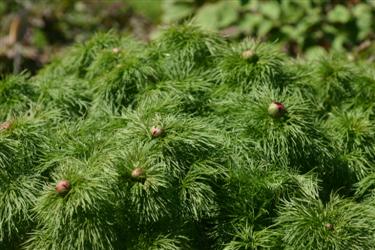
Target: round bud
{"points": [[276, 109], [5, 125], [62, 187], [250, 56], [138, 174], [115, 50], [156, 131], [247, 54], [329, 226]]}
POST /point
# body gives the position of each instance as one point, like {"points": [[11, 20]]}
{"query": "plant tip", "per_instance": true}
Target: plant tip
{"points": [[62, 187], [156, 131]]}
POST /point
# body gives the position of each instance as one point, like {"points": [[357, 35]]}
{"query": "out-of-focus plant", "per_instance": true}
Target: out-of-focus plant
{"points": [[31, 31], [309, 26]]}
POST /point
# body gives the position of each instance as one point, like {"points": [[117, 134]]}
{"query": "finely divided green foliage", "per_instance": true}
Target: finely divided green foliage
{"points": [[249, 64], [17, 199], [245, 237], [69, 95], [169, 145], [334, 80], [338, 224], [144, 199], [16, 95], [23, 142], [187, 46], [124, 82], [353, 131]]}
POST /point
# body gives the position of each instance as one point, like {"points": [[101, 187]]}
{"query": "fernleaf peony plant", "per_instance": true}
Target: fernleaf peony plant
{"points": [[188, 142]]}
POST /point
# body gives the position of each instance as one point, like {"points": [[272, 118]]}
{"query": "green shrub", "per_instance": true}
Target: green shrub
{"points": [[189, 142]]}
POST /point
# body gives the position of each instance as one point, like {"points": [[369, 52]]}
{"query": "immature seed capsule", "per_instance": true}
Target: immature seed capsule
{"points": [[156, 131], [62, 187], [276, 109]]}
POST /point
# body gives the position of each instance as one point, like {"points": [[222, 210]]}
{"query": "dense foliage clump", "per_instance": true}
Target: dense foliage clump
{"points": [[33, 31], [189, 142]]}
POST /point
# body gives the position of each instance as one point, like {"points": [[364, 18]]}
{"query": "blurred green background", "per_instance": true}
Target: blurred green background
{"points": [[34, 31]]}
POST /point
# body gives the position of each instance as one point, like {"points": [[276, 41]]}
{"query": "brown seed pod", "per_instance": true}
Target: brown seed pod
{"points": [[62, 187]]}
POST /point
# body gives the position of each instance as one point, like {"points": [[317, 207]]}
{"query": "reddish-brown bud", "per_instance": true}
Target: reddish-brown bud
{"points": [[247, 54], [276, 109], [5, 125], [138, 174], [250, 56], [116, 50], [329, 226], [156, 131], [62, 187]]}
